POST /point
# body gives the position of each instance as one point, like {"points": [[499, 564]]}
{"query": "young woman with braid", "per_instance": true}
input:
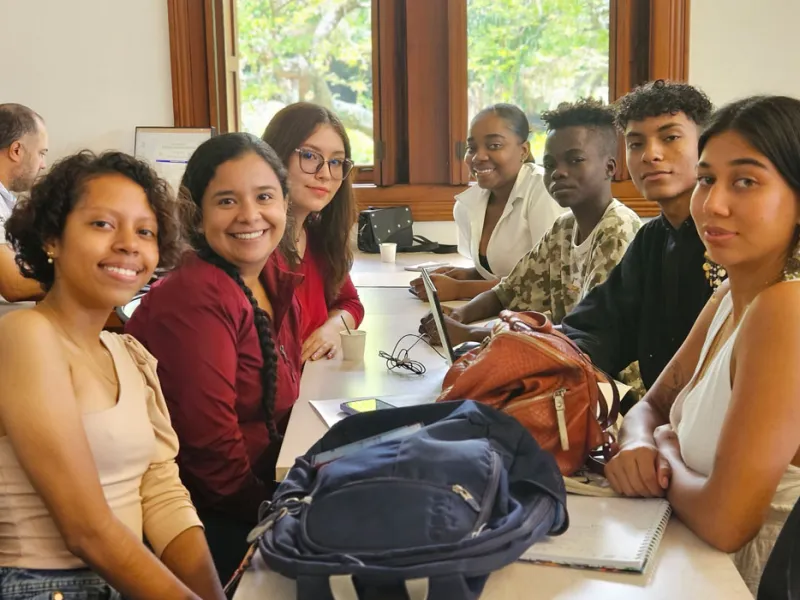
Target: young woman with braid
{"points": [[226, 330]]}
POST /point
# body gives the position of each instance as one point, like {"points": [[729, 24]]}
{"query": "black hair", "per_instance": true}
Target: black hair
{"points": [[588, 113], [514, 117], [771, 125], [663, 97], [199, 172], [41, 218], [16, 121]]}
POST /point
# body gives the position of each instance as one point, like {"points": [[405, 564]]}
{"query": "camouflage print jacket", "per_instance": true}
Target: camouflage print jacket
{"points": [[554, 276]]}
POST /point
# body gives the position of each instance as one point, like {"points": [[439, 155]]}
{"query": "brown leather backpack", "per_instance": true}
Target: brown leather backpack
{"points": [[539, 376]]}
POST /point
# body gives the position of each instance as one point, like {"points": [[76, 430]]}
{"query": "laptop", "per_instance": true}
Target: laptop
{"points": [[438, 318]]}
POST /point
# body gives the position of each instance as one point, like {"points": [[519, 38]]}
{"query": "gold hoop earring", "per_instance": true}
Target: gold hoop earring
{"points": [[715, 274]]}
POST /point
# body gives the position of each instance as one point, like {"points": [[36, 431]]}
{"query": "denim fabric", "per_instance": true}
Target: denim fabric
{"points": [[37, 584]]}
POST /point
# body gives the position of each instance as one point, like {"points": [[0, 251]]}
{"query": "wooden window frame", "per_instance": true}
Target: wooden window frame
{"points": [[420, 81]]}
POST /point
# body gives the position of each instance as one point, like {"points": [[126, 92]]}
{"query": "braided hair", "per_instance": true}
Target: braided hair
{"points": [[199, 172]]}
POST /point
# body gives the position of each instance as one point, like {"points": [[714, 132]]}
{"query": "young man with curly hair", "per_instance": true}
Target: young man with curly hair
{"points": [[583, 244], [648, 304]]}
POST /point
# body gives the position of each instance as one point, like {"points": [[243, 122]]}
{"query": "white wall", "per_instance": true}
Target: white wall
{"points": [[94, 69], [743, 47]]}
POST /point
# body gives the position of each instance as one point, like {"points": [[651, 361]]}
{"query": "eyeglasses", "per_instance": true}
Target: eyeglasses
{"points": [[312, 162]]}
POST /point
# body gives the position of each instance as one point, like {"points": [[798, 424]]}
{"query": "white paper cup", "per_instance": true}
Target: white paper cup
{"points": [[353, 344], [388, 252]]}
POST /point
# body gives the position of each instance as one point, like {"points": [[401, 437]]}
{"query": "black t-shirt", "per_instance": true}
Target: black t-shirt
{"points": [[648, 304]]}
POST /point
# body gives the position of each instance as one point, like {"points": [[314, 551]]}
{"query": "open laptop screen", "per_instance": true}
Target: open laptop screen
{"points": [[438, 315]]}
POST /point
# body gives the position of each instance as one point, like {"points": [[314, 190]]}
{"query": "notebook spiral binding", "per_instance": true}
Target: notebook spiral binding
{"points": [[646, 550]]}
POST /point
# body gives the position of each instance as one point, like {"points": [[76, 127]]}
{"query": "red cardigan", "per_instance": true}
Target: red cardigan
{"points": [[311, 294], [199, 325]]}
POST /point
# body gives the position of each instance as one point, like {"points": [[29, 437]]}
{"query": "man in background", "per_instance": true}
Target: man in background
{"points": [[23, 152]]}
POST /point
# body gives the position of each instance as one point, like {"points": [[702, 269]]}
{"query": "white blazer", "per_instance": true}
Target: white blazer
{"points": [[528, 214]]}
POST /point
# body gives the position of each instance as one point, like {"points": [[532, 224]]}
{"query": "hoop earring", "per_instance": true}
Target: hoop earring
{"points": [[715, 274]]}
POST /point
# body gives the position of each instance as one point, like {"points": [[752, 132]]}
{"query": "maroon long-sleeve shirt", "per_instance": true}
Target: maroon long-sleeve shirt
{"points": [[311, 294], [198, 323]]}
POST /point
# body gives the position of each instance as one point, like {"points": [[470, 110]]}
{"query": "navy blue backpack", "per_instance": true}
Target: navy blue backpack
{"points": [[429, 515]]}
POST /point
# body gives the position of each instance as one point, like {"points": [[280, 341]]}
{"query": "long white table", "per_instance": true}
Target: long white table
{"points": [[684, 568], [369, 271], [390, 314]]}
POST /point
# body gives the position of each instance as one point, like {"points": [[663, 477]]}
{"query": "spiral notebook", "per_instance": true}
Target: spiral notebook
{"points": [[618, 534]]}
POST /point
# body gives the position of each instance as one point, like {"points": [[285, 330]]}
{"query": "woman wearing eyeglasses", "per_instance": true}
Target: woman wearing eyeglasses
{"points": [[314, 146]]}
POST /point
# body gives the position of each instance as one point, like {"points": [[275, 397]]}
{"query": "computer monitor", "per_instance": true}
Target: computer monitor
{"points": [[167, 149]]}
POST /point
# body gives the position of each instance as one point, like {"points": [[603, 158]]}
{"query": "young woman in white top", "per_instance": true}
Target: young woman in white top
{"points": [[502, 217], [87, 453], [718, 433]]}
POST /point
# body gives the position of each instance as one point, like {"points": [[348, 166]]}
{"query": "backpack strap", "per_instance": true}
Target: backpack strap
{"points": [[343, 587]]}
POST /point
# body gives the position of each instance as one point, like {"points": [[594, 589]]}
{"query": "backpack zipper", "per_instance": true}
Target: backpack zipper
{"points": [[541, 346], [558, 400], [558, 395], [467, 497], [483, 509], [559, 403]]}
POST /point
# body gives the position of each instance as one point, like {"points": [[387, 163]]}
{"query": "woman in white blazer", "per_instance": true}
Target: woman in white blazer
{"points": [[502, 217]]}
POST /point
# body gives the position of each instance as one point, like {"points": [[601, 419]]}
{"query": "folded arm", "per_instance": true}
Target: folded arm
{"points": [[759, 437], [637, 470]]}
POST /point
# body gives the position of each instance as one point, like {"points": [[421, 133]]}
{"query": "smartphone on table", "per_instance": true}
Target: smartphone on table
{"points": [[353, 407]]}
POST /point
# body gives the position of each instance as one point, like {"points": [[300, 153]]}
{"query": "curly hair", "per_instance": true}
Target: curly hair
{"points": [[41, 218], [663, 97], [588, 113], [329, 233], [200, 170]]}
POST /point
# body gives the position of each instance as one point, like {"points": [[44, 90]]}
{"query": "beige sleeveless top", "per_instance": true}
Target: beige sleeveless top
{"points": [[134, 448]]}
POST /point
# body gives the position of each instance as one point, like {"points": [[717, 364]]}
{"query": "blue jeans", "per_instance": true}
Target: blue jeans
{"points": [[39, 584]]}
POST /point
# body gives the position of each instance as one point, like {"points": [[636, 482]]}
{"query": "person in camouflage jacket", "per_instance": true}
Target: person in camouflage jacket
{"points": [[581, 247]]}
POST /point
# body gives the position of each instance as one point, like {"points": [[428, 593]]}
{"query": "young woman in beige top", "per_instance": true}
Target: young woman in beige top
{"points": [[86, 447]]}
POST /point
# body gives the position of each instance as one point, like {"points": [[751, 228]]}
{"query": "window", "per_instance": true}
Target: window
{"points": [[406, 75], [536, 55], [308, 50]]}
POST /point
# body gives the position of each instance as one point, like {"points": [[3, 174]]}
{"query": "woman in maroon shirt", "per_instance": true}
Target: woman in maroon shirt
{"points": [[225, 328], [314, 146]]}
